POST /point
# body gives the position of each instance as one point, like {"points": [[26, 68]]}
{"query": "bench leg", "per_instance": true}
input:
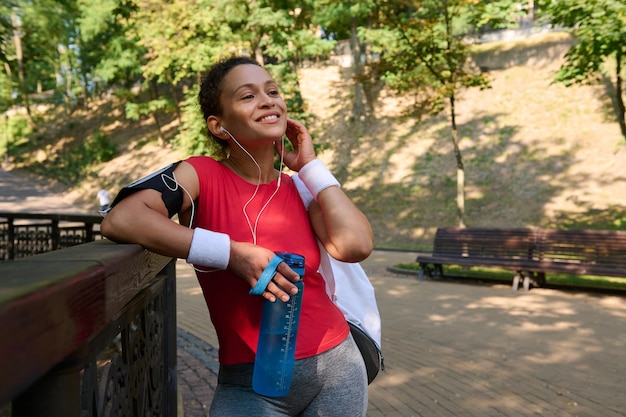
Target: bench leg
{"points": [[516, 279], [439, 270], [420, 274], [424, 270], [524, 278], [539, 279]]}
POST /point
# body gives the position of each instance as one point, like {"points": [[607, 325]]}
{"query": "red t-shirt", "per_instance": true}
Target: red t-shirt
{"points": [[283, 226]]}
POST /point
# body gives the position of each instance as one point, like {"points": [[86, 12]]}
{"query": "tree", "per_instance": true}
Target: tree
{"points": [[6, 30], [275, 32], [598, 26], [422, 50], [342, 20]]}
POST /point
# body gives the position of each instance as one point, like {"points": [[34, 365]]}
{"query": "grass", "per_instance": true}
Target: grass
{"points": [[552, 280]]}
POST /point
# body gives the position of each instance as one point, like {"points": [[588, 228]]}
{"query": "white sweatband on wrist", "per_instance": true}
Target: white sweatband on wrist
{"points": [[317, 177], [209, 248]]}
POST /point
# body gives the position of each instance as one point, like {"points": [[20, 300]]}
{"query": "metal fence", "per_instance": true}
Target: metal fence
{"points": [[88, 330], [27, 234]]}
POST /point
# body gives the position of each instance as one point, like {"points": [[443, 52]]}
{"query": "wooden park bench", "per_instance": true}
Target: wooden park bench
{"points": [[529, 252]]}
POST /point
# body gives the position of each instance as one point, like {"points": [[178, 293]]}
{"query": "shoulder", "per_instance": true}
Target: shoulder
{"points": [[204, 167], [201, 162]]}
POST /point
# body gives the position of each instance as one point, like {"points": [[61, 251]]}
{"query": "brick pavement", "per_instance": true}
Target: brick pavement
{"points": [[197, 375], [455, 349]]}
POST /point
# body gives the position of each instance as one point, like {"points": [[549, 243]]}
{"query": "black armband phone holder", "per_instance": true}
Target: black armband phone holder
{"points": [[162, 181]]}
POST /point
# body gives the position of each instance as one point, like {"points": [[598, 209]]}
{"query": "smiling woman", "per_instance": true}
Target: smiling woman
{"points": [[236, 214]]}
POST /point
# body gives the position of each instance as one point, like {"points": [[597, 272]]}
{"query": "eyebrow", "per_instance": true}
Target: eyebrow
{"points": [[251, 85]]}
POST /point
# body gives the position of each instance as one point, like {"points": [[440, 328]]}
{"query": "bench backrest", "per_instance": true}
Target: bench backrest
{"points": [[595, 247], [596, 252], [517, 243]]}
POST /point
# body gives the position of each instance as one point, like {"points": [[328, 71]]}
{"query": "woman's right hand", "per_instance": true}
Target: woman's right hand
{"points": [[248, 261]]}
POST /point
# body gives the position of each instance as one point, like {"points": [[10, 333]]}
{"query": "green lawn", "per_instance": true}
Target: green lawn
{"points": [[496, 274]]}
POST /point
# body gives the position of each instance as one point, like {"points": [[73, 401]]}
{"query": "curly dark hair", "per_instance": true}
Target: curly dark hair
{"points": [[211, 90], [211, 84]]}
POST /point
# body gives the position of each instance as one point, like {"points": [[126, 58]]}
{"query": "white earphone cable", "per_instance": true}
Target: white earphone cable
{"points": [[253, 229]]}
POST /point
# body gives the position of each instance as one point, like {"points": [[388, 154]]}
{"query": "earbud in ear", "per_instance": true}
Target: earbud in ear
{"points": [[222, 129]]}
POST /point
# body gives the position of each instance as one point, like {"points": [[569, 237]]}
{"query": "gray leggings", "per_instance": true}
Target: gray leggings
{"points": [[333, 383]]}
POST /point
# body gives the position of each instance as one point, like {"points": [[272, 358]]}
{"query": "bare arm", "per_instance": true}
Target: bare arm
{"points": [[340, 226], [142, 218]]}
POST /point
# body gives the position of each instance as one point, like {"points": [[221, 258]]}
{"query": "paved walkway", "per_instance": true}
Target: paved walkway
{"points": [[451, 349], [19, 193], [458, 349]]}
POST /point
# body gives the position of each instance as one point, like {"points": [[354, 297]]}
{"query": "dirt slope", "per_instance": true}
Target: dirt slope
{"points": [[536, 153]]}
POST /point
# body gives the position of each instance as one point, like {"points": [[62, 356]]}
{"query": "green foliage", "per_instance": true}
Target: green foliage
{"points": [[599, 29], [337, 17], [107, 46], [193, 137], [135, 111], [79, 162], [5, 92], [422, 50], [496, 14], [98, 148], [15, 131], [182, 38]]}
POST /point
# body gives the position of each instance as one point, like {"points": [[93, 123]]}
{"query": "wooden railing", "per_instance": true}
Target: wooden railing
{"points": [[27, 234], [88, 331]]}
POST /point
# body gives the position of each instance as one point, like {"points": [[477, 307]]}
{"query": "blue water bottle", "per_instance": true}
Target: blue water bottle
{"points": [[276, 349]]}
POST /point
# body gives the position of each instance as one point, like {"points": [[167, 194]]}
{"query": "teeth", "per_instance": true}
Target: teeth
{"points": [[272, 117]]}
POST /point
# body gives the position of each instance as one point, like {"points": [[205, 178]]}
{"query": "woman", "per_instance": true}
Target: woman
{"points": [[236, 213]]}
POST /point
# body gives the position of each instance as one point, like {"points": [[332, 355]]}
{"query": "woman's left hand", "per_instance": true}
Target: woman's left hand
{"points": [[303, 151]]}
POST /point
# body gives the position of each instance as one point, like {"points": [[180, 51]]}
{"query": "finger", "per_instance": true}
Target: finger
{"points": [[293, 129], [274, 291], [287, 272], [285, 284]]}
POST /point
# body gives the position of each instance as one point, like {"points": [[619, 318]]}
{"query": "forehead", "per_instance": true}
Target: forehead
{"points": [[246, 74]]}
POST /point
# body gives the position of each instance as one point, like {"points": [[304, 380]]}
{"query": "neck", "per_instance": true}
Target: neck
{"points": [[243, 165]]}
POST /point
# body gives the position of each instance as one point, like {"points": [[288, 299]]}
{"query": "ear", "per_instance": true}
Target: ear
{"points": [[214, 126]]}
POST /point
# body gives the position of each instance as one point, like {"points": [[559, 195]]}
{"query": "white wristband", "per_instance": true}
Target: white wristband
{"points": [[209, 248], [317, 177]]}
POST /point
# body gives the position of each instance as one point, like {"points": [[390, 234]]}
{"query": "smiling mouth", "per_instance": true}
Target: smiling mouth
{"points": [[268, 118]]}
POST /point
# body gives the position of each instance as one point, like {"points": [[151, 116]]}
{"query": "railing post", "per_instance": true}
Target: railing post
{"points": [[56, 394], [88, 232], [10, 239], [55, 234], [171, 383]]}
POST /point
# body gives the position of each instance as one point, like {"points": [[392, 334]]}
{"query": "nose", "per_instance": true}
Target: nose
{"points": [[267, 101]]}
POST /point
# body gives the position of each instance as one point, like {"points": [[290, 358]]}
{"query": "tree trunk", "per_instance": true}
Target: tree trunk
{"points": [[154, 94], [258, 55], [460, 168], [619, 99], [20, 63], [358, 110]]}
